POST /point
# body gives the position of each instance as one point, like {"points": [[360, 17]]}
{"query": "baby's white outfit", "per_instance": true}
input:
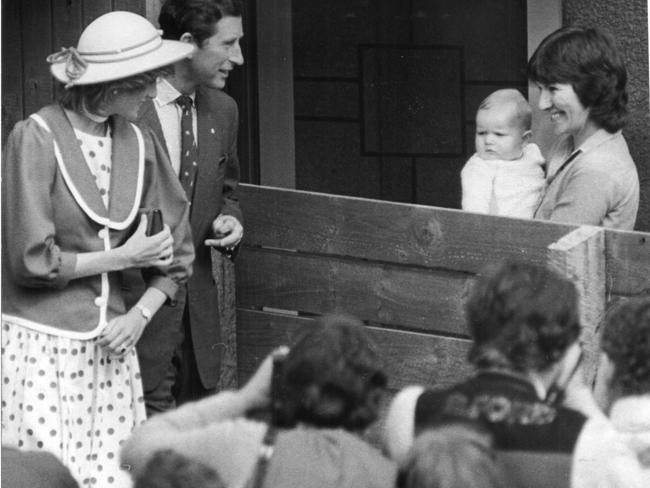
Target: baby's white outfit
{"points": [[508, 188]]}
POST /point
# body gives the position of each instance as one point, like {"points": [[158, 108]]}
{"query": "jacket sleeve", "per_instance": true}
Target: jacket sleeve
{"points": [[212, 430], [28, 232], [164, 191]]}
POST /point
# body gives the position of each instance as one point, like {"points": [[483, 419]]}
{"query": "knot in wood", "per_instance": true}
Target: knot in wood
{"points": [[427, 231]]}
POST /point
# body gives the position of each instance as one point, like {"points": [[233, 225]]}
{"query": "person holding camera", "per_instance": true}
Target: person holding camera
{"points": [[326, 390]]}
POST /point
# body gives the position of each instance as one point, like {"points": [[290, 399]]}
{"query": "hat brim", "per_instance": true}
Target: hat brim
{"points": [[167, 53]]}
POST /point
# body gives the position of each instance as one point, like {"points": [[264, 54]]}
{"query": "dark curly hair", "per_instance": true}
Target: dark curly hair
{"points": [[198, 17], [332, 376], [522, 317], [588, 60], [626, 341]]}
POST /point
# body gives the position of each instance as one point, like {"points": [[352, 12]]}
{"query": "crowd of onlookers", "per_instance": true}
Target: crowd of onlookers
{"points": [[526, 417]]}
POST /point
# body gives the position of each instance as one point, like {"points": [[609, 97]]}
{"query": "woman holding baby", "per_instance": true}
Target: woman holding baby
{"points": [[591, 178]]}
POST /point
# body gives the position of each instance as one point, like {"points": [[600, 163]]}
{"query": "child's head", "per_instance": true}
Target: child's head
{"points": [[503, 123], [170, 469], [452, 456]]}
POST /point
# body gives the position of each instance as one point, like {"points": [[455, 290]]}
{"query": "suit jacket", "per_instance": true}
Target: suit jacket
{"points": [[215, 193]]}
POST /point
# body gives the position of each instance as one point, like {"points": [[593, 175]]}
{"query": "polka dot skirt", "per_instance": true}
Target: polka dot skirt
{"points": [[71, 398]]}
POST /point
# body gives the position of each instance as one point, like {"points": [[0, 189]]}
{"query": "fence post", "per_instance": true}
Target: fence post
{"points": [[580, 256], [223, 273]]}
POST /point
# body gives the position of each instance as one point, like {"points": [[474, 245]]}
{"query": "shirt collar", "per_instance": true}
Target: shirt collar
{"points": [[568, 152], [166, 93], [596, 139]]}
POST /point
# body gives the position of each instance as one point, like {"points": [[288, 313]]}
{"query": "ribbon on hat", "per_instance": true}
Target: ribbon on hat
{"points": [[75, 65]]}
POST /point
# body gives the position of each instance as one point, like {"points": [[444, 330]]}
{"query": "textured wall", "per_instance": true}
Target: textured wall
{"points": [[627, 20]]}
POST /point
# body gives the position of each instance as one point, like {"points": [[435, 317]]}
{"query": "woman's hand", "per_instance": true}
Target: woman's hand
{"points": [[122, 333], [142, 251]]}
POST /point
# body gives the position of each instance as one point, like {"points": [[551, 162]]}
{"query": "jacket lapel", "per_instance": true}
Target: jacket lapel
{"points": [[148, 117], [127, 170], [208, 137], [78, 177], [210, 152]]}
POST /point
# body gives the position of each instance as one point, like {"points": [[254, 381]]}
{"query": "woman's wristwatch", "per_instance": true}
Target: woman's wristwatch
{"points": [[145, 312]]}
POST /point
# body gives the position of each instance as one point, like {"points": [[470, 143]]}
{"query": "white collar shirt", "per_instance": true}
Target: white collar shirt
{"points": [[169, 114]]}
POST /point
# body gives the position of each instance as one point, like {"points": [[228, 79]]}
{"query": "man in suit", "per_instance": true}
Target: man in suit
{"points": [[180, 350]]}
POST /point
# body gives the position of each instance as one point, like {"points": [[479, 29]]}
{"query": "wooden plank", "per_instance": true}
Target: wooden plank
{"points": [[391, 232], [628, 262], [223, 272], [94, 8], [37, 32], [580, 256], [275, 92], [137, 6], [66, 24], [411, 358], [414, 298], [12, 68]]}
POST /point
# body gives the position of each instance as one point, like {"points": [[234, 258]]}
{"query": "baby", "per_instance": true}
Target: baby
{"points": [[506, 175]]}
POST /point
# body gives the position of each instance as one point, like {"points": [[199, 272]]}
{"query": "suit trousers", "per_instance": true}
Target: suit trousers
{"points": [[181, 383]]}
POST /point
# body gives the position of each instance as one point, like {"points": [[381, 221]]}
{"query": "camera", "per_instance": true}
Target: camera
{"points": [[278, 392]]}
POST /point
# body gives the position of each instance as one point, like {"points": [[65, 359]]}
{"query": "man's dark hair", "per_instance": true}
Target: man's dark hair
{"points": [[198, 17], [522, 317], [588, 60]]}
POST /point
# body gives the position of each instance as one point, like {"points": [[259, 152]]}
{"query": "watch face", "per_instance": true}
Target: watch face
{"points": [[145, 312]]}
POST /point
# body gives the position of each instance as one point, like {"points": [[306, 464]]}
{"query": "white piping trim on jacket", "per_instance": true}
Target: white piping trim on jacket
{"points": [[77, 196], [55, 331], [106, 236]]}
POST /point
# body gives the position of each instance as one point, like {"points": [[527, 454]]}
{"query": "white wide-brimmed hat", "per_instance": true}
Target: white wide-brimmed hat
{"points": [[114, 46]]}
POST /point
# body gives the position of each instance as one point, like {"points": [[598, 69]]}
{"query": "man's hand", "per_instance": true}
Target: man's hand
{"points": [[227, 231]]}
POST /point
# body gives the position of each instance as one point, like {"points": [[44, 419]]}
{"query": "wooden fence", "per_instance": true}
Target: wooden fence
{"points": [[405, 271]]}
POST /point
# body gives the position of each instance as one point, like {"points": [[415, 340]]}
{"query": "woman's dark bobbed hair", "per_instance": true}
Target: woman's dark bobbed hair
{"points": [[588, 60], [332, 376]]}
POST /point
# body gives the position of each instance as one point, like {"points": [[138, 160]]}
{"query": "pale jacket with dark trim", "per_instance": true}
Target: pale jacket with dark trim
{"points": [[52, 210]]}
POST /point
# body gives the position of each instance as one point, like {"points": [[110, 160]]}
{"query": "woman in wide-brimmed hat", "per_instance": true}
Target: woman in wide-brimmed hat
{"points": [[78, 181]]}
